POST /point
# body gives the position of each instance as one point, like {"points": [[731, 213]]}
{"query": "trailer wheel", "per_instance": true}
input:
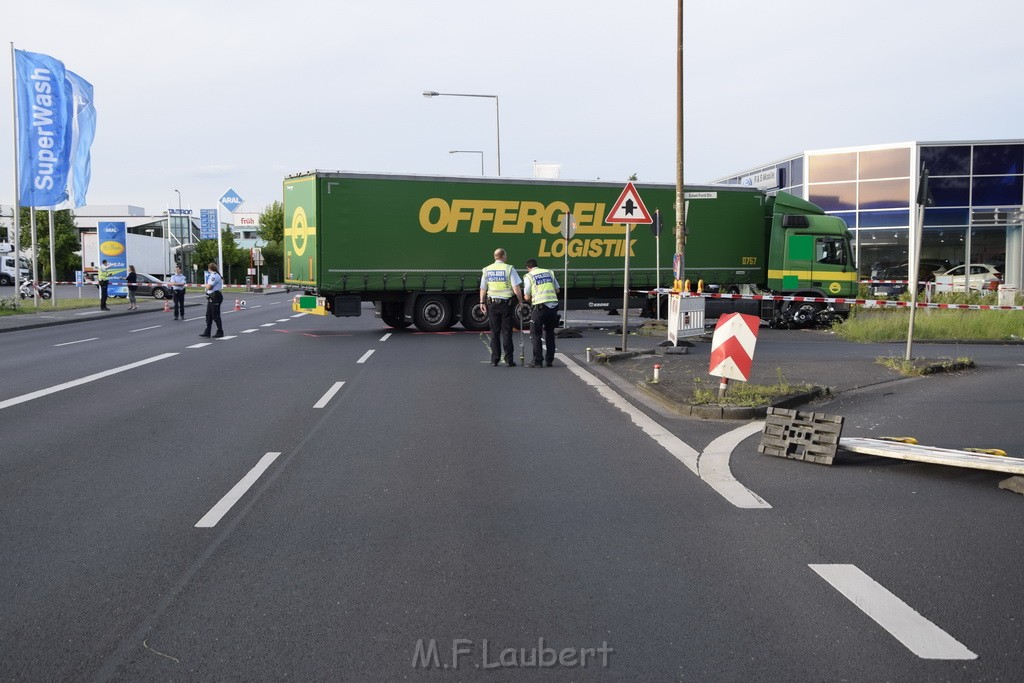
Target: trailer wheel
{"points": [[473, 318], [521, 317], [391, 314], [433, 313], [5, 280]]}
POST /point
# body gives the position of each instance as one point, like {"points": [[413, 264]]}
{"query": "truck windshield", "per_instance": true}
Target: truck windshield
{"points": [[831, 250]]}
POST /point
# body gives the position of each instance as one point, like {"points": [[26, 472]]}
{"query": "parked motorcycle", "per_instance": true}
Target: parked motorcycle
{"points": [[29, 289]]}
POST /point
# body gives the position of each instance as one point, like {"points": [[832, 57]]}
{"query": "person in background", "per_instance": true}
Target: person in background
{"points": [[130, 280], [498, 283], [541, 290], [214, 298], [178, 293], [103, 277]]}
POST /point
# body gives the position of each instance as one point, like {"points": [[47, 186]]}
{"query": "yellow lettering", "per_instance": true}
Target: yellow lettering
{"points": [[481, 213], [506, 217], [554, 208], [427, 221], [530, 213], [594, 247], [543, 250], [462, 210], [584, 213], [576, 248]]}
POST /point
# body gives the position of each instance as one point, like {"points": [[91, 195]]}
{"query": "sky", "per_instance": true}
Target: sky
{"points": [[205, 96]]}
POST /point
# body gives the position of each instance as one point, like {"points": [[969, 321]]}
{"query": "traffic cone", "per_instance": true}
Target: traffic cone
{"points": [[238, 305], [167, 305]]}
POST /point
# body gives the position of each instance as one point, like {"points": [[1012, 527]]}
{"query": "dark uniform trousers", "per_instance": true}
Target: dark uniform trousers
{"points": [[543, 321], [499, 314], [213, 302], [179, 302]]}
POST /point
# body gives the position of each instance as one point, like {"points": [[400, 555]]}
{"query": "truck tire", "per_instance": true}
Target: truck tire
{"points": [[433, 313], [391, 314], [521, 317], [5, 279], [473, 318]]}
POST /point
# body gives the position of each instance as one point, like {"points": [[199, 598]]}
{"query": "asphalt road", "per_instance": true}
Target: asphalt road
{"points": [[411, 509]]}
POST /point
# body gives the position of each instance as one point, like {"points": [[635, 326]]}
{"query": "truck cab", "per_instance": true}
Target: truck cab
{"points": [[7, 267]]}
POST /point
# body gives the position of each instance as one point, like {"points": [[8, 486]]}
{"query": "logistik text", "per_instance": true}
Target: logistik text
{"points": [[499, 217]]}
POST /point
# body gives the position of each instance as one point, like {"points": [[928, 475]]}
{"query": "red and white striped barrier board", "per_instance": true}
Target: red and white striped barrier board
{"points": [[732, 346]]}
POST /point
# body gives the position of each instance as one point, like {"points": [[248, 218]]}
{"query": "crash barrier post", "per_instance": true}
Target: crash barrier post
{"points": [[801, 435]]}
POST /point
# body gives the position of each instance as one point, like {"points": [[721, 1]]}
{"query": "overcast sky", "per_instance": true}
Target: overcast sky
{"points": [[203, 96]]}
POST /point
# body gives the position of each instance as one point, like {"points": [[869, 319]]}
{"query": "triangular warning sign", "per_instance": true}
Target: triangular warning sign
{"points": [[629, 208]]}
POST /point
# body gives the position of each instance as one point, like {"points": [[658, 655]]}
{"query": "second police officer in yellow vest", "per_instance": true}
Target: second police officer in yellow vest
{"points": [[542, 291], [498, 282]]}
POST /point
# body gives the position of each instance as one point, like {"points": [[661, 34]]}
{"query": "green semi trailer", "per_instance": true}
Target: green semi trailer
{"points": [[415, 245]]}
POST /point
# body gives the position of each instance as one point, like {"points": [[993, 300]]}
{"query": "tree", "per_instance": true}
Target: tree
{"points": [[206, 253], [272, 223], [66, 237], [272, 231]]}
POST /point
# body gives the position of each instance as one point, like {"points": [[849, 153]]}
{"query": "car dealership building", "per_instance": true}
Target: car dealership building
{"points": [[974, 212]]}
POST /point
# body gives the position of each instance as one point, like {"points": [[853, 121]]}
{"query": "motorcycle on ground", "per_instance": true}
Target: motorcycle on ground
{"points": [[29, 290]]}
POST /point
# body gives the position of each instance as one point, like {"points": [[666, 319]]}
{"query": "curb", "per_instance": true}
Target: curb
{"points": [[720, 412]]}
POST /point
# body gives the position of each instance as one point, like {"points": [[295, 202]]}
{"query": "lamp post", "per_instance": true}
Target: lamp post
{"points": [[470, 151], [497, 114]]}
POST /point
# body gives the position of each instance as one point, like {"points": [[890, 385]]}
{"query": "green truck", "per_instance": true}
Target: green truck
{"points": [[415, 245]]}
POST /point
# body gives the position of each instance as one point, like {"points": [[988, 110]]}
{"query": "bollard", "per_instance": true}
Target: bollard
{"points": [[657, 373], [588, 354]]}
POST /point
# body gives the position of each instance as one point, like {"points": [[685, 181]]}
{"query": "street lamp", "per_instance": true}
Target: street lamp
{"points": [[470, 151], [497, 114]]}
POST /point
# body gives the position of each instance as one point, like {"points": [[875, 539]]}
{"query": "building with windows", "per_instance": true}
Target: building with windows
{"points": [[973, 214]]}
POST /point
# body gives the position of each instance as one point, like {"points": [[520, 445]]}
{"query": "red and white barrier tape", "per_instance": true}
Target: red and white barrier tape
{"points": [[861, 302]]}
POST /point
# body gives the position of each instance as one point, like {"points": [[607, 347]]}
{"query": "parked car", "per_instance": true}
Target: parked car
{"points": [[147, 285], [980, 277], [928, 271]]}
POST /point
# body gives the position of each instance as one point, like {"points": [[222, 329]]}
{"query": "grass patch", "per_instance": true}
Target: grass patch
{"points": [[874, 325], [744, 394], [17, 306], [915, 367]]}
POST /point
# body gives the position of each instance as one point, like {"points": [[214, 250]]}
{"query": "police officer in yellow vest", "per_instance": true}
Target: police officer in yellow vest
{"points": [[498, 282], [103, 277], [541, 290]]}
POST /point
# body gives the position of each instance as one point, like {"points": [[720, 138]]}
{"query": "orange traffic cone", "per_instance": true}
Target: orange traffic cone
{"points": [[167, 305], [238, 305]]}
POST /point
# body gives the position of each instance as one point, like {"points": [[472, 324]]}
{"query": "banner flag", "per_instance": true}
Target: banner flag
{"points": [[83, 130], [56, 123]]}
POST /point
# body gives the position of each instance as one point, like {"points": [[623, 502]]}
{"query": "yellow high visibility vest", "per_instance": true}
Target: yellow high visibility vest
{"points": [[499, 280], [542, 287]]}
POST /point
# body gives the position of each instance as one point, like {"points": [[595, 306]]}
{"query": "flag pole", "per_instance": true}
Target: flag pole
{"points": [[16, 217], [53, 263]]}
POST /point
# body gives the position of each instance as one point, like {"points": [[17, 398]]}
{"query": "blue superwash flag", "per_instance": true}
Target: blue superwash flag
{"points": [[56, 126]]}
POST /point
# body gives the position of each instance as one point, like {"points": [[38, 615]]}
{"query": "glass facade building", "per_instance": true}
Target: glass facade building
{"points": [[973, 214]]}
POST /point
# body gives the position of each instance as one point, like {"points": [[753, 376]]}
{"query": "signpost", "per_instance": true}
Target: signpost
{"points": [[230, 200], [732, 348], [629, 210], [568, 230]]}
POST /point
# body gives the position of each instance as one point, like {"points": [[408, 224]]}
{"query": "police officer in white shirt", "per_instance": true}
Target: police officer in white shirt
{"points": [[498, 282]]}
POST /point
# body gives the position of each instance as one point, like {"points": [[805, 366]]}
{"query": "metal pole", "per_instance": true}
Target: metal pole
{"points": [[53, 263], [565, 287], [625, 289], [497, 129], [35, 253], [680, 192], [16, 212]]}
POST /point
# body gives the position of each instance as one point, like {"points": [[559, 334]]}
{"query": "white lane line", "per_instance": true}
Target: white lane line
{"points": [[199, 345], [920, 636], [83, 380], [237, 491], [718, 479], [226, 337], [257, 306], [80, 341], [283, 320], [249, 331], [326, 398], [670, 442], [385, 337], [268, 324], [143, 329], [365, 356], [299, 315], [713, 466]]}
